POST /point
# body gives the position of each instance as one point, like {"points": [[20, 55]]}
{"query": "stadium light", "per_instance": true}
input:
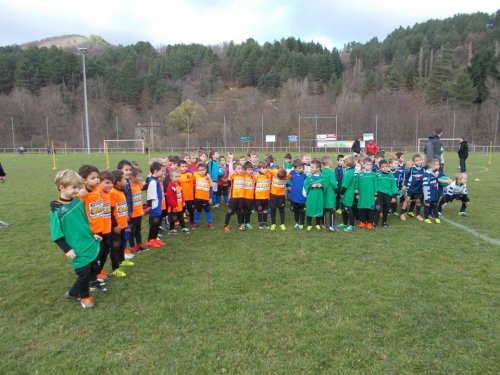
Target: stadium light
{"points": [[82, 52]]}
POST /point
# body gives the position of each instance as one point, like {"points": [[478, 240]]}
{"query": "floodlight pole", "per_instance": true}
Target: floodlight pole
{"points": [[82, 52], [13, 134], [496, 129]]}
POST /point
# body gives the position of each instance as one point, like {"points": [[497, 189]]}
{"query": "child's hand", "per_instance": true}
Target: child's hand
{"points": [[71, 254], [117, 229], [393, 200], [146, 210], [209, 201], [83, 193], [97, 237], [427, 203]]}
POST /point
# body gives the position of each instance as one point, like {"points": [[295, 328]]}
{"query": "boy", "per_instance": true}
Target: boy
{"points": [[297, 199], [213, 173], [288, 165], [193, 162], [306, 163], [223, 182], [70, 230], [135, 239], [236, 196], [314, 187], [398, 177], [249, 194], [126, 167], [414, 187], [262, 192], [107, 181], [187, 184], [119, 224], [339, 173], [347, 196], [366, 184], [330, 188], [387, 193], [277, 196], [430, 188], [154, 198], [376, 161], [456, 190], [175, 203], [202, 193]]}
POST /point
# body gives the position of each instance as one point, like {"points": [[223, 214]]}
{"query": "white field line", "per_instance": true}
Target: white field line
{"points": [[484, 170], [484, 237]]}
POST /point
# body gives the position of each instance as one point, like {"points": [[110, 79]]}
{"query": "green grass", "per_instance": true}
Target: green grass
{"points": [[410, 299]]}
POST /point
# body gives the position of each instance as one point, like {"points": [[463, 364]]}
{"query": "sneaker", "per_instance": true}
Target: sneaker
{"points": [[242, 227], [318, 227], [332, 228], [301, 226], [226, 228], [410, 214], [87, 303], [362, 225], [282, 227], [385, 225], [67, 295], [159, 242], [153, 243], [128, 254], [172, 231], [102, 277], [99, 288], [135, 250], [143, 248], [210, 226], [338, 212], [273, 226], [463, 213], [248, 226], [118, 273], [427, 221], [437, 221], [402, 217], [395, 213], [296, 227], [194, 226], [420, 218], [127, 263], [349, 228], [370, 226], [185, 230], [341, 226], [217, 205]]}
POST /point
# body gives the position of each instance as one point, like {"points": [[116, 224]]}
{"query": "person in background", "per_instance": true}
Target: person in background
{"points": [[463, 154], [356, 146]]}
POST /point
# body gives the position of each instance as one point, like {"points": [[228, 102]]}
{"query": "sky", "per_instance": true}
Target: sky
{"points": [[210, 22]]}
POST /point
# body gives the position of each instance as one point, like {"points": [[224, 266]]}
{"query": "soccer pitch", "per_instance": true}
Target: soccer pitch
{"points": [[412, 298]]}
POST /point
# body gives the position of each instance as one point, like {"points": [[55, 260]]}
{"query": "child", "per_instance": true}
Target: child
{"points": [[193, 163], [378, 157], [92, 199], [154, 198], [456, 190], [430, 189], [330, 188], [119, 223], [306, 163], [397, 173], [70, 230], [314, 188], [107, 181], [414, 186], [347, 195], [202, 200], [366, 184], [288, 165], [187, 184], [203, 159], [279, 178], [297, 199], [213, 172], [230, 162], [249, 196], [254, 159], [135, 239], [262, 193], [387, 193], [236, 196], [221, 195], [339, 173], [126, 167], [175, 203]]}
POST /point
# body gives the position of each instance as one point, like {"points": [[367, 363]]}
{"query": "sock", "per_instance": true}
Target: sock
{"points": [[197, 217], [209, 217]]}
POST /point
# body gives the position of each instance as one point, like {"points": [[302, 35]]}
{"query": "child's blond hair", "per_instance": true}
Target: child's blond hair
{"points": [[67, 177]]}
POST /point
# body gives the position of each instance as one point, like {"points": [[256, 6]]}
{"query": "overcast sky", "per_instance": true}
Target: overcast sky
{"points": [[331, 23]]}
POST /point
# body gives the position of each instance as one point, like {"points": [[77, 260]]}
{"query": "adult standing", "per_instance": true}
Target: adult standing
{"points": [[433, 146], [463, 154], [356, 146], [371, 147]]}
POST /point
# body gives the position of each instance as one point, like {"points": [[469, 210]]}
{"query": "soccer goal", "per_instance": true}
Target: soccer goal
{"points": [[449, 144], [124, 145]]}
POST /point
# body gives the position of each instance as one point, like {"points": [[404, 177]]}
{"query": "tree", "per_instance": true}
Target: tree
{"points": [[463, 91], [187, 114], [438, 89]]}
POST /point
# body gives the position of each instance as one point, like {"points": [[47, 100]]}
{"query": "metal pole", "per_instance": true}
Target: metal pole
{"points": [[47, 126], [152, 134], [376, 128], [187, 124], [316, 129], [13, 134], [336, 133], [495, 139], [299, 134], [83, 51], [416, 135], [116, 117], [453, 132], [262, 140], [83, 134], [224, 133]]}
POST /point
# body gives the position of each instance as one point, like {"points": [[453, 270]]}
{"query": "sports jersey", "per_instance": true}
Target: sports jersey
{"points": [[237, 186], [430, 186], [366, 183], [93, 208], [347, 189], [163, 184], [69, 221], [386, 183], [202, 185], [155, 197], [137, 209], [329, 188], [106, 212], [288, 167], [315, 195], [375, 168], [174, 198], [415, 178], [187, 184], [278, 185], [297, 186], [262, 186], [119, 208], [339, 173], [249, 187], [455, 189]]}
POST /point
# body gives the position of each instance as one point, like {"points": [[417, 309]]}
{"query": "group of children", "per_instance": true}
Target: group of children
{"points": [[105, 217]]}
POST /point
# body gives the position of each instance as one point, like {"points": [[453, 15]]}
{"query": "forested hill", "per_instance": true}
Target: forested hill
{"points": [[441, 65]]}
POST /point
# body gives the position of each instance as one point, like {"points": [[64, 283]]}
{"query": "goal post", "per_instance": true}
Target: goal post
{"points": [[124, 145], [449, 144]]}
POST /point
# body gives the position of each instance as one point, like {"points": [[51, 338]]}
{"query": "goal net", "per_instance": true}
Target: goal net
{"points": [[124, 145], [449, 144]]}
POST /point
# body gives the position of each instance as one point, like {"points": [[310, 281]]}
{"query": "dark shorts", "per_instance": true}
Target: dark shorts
{"points": [[261, 205], [201, 205], [414, 196]]}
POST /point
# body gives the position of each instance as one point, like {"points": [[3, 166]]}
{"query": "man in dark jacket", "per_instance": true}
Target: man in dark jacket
{"points": [[463, 154], [433, 146], [356, 146]]}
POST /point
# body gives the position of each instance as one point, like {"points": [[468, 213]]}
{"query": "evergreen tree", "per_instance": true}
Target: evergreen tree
{"points": [[463, 91]]}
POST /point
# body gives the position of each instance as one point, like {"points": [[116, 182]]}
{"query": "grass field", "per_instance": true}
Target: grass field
{"points": [[410, 299]]}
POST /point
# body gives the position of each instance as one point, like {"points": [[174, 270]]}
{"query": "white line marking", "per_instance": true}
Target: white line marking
{"points": [[484, 170], [484, 237]]}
